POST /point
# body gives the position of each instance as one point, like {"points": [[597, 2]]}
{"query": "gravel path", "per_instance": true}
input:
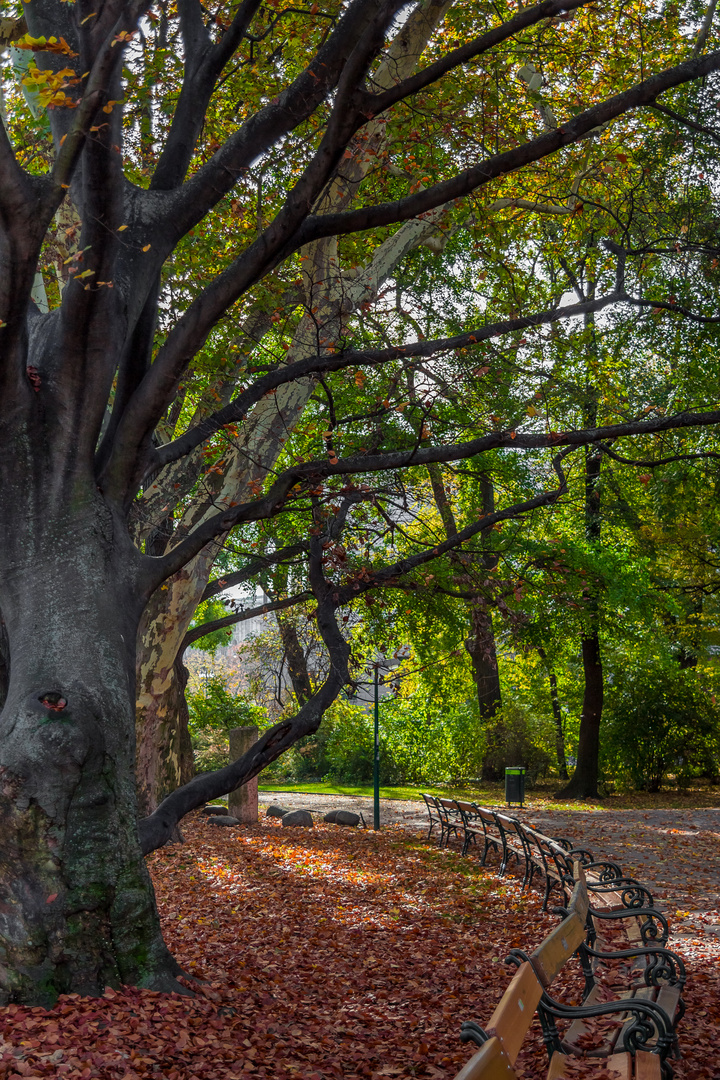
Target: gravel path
{"points": [[412, 815]]}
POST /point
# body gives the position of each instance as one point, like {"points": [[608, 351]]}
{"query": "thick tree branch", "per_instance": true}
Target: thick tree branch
{"points": [[185, 207], [203, 64], [526, 18], [192, 329], [338, 361], [157, 829], [473, 179], [210, 627], [157, 570], [95, 95], [124, 471]]}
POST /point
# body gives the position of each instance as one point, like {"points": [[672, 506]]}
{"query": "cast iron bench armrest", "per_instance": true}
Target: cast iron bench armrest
{"points": [[632, 893], [608, 869], [669, 969], [636, 1037], [651, 1020], [648, 929]]}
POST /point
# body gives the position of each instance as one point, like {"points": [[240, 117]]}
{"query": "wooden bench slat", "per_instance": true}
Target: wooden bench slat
{"points": [[603, 1046], [514, 1014], [618, 1065], [579, 901], [557, 948], [490, 1063], [647, 1066]]}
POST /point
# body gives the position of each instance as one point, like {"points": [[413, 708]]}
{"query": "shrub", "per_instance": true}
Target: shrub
{"points": [[214, 711], [513, 740], [658, 720], [418, 744]]}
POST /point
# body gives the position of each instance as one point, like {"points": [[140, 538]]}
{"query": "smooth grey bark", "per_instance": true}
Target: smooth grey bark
{"points": [[71, 920]]}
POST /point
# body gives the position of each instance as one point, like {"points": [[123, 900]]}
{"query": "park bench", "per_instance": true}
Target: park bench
{"points": [[431, 805], [450, 819], [632, 1042], [478, 823], [621, 914]]}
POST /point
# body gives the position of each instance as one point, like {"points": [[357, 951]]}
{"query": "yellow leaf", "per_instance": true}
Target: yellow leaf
{"points": [[147, 247], [121, 228]]}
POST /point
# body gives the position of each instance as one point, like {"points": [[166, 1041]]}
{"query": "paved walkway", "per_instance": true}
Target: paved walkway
{"points": [[675, 852]]}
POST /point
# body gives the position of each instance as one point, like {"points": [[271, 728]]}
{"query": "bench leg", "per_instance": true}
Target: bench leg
{"points": [[548, 890]]}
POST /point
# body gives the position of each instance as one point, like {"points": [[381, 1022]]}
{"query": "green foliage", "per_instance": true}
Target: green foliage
{"points": [[207, 612], [515, 738], [659, 719], [429, 740], [214, 711], [420, 743]]}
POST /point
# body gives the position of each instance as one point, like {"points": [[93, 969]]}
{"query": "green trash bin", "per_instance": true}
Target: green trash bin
{"points": [[515, 784]]}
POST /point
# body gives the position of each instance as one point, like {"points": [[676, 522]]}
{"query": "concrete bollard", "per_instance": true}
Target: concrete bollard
{"points": [[243, 801]]}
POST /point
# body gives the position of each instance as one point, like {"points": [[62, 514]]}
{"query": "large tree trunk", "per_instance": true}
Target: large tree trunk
{"points": [[560, 755], [164, 756], [584, 782], [480, 644], [77, 909], [4, 662], [481, 641]]}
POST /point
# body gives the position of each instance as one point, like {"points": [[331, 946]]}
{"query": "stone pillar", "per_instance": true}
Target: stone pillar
{"points": [[243, 801]]}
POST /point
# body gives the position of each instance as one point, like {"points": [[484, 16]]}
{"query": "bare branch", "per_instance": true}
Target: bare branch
{"points": [[253, 568], [687, 122]]}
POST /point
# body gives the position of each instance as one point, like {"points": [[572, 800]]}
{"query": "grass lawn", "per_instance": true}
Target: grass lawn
{"points": [[700, 795]]}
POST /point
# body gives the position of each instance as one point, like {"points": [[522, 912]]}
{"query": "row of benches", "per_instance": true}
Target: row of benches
{"points": [[643, 1034], [632, 994]]}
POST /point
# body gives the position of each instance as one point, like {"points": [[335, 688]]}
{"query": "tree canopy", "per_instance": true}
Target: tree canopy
{"points": [[266, 264]]}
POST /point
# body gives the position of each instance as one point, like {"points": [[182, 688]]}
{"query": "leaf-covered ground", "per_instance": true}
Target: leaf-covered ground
{"points": [[325, 953]]}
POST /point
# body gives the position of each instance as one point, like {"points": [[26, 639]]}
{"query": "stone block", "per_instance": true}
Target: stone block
{"points": [[298, 817]]}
